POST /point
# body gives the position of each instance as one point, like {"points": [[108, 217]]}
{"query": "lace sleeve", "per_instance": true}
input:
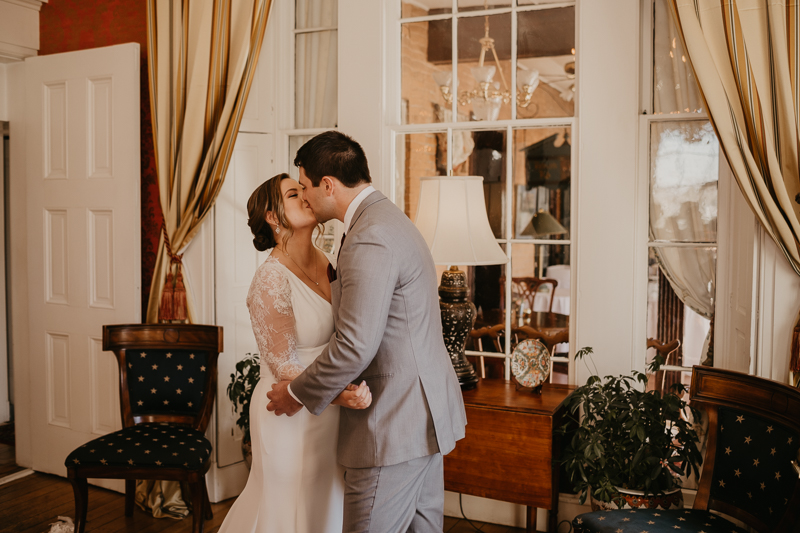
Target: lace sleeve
{"points": [[270, 303]]}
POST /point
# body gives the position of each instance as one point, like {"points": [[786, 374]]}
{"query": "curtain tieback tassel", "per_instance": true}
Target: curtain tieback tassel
{"points": [[179, 298], [173, 298], [165, 313]]}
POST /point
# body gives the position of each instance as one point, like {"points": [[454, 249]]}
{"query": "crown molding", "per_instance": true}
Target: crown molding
{"points": [[31, 4], [10, 53]]}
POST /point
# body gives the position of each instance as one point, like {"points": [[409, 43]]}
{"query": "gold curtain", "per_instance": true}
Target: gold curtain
{"points": [[746, 58], [202, 57]]}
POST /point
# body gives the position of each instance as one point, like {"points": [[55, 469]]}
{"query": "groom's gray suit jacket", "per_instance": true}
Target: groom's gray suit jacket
{"points": [[389, 333]]}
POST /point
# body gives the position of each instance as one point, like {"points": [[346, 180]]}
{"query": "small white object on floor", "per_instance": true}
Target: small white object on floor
{"points": [[64, 525]]}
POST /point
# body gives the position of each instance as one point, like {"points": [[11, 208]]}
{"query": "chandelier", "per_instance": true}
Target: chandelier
{"points": [[488, 97]]}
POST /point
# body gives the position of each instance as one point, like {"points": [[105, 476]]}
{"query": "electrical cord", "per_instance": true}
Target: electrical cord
{"points": [[476, 528], [460, 506]]}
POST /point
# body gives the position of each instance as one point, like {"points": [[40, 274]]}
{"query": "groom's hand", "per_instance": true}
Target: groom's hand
{"points": [[281, 402]]}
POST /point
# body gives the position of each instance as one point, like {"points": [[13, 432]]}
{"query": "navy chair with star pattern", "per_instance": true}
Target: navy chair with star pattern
{"points": [[750, 470], [168, 381]]}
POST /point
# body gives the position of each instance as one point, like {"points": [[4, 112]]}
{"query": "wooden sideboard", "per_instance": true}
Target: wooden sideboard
{"points": [[510, 451]]}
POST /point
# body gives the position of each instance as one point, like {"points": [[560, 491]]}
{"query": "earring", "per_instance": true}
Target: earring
{"points": [[277, 230]]}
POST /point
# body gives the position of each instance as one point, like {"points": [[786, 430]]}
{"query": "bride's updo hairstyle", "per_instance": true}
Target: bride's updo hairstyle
{"points": [[267, 197]]}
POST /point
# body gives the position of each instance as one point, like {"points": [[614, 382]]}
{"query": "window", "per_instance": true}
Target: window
{"points": [[315, 83], [487, 89], [683, 168]]}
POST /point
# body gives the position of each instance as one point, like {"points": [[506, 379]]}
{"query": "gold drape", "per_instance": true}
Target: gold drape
{"points": [[746, 58], [202, 57], [162, 499]]}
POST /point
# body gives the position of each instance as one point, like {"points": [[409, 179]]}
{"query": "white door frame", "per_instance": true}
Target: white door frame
{"points": [[5, 392], [18, 264]]}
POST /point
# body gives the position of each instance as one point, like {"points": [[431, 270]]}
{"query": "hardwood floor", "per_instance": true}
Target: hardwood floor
{"points": [[30, 504]]}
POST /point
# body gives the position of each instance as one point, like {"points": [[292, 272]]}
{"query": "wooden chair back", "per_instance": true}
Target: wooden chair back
{"points": [[750, 470], [669, 351], [525, 289], [168, 372], [497, 334]]}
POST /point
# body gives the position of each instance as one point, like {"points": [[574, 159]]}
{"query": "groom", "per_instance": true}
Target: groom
{"points": [[389, 334]]}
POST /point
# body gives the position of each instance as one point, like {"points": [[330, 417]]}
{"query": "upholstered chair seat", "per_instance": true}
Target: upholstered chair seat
{"points": [[654, 521], [146, 445]]}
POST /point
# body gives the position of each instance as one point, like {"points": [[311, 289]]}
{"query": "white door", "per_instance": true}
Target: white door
{"points": [[83, 232], [236, 262]]}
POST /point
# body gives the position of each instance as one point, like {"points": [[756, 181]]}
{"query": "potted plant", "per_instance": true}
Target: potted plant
{"points": [[240, 391], [624, 439]]}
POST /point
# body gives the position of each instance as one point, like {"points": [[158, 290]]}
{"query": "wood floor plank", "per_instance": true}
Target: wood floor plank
{"points": [[32, 503], [43, 490], [21, 487]]}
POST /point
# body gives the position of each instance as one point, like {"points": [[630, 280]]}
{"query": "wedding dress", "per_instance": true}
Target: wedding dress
{"points": [[295, 483]]}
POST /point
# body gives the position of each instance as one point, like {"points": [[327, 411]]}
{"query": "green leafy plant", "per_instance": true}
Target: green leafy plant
{"points": [[240, 390], [624, 436]]}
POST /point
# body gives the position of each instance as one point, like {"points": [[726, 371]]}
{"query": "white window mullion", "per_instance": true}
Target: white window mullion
{"points": [[509, 240]]}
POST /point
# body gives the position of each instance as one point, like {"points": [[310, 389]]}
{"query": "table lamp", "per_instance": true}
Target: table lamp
{"points": [[452, 218], [543, 223]]}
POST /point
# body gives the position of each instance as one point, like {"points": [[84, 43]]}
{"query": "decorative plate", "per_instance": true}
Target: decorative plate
{"points": [[530, 363]]}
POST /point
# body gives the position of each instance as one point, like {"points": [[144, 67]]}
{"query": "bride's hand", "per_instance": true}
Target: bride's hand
{"points": [[355, 397]]}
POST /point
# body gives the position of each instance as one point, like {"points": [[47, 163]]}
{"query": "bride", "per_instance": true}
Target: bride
{"points": [[295, 483]]}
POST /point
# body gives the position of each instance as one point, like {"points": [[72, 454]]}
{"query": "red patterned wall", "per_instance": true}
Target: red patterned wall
{"points": [[68, 25]]}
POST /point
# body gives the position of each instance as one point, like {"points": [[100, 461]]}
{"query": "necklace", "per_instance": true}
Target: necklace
{"points": [[316, 271]]}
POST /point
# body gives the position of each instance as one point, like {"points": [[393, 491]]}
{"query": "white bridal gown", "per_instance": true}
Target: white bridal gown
{"points": [[296, 484]]}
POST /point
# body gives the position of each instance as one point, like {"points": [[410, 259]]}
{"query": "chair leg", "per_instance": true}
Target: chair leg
{"points": [[80, 488], [209, 513], [198, 512], [130, 492]]}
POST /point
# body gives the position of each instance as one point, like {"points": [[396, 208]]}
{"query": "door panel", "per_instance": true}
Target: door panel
{"points": [[83, 231]]}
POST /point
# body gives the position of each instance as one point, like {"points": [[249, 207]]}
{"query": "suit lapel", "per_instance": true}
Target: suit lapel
{"points": [[377, 196]]}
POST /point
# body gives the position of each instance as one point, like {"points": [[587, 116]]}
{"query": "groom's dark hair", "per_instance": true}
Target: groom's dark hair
{"points": [[333, 154]]}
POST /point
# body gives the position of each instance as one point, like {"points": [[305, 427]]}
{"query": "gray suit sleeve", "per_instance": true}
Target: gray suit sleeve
{"points": [[367, 273]]}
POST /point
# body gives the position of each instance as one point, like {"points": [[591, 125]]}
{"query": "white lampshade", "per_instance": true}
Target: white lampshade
{"points": [[488, 109], [452, 218], [443, 78], [483, 74], [529, 78]]}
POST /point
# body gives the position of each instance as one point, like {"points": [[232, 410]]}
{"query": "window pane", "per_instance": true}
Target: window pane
{"points": [[680, 301], [418, 155], [315, 14], [316, 80], [487, 291], [475, 5], [295, 142], [546, 63], [684, 169], [540, 261], [674, 85], [426, 65], [482, 153], [482, 88], [422, 8], [542, 183]]}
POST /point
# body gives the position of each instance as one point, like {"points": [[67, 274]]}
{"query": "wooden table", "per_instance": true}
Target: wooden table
{"points": [[510, 451]]}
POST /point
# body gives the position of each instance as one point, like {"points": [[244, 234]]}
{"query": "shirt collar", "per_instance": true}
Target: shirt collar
{"points": [[351, 209]]}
